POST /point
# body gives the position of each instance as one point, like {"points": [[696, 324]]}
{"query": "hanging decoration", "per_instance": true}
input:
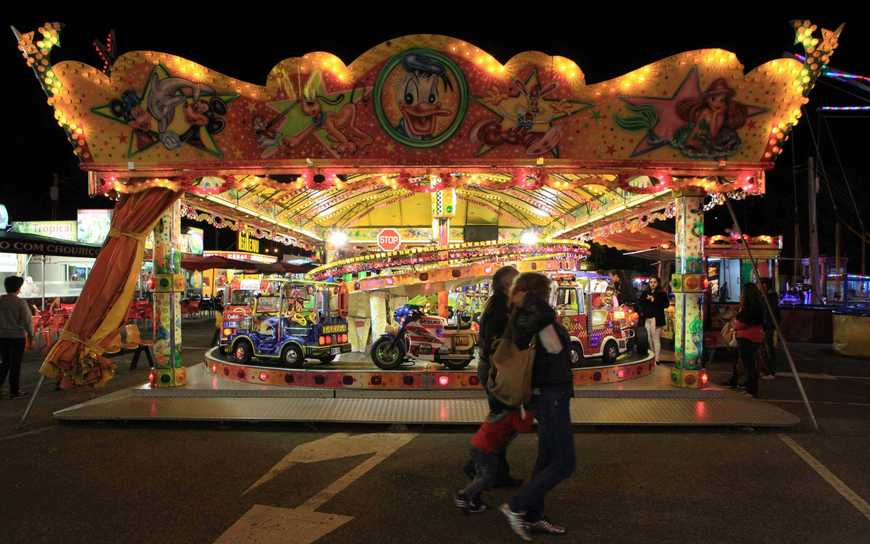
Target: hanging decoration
{"points": [[424, 257]]}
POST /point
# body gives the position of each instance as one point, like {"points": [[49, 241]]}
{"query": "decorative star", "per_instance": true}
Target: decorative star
{"points": [[611, 149], [144, 139], [291, 120], [510, 108], [668, 120]]}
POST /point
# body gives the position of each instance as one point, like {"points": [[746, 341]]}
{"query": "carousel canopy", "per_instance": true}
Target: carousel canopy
{"points": [[523, 144]]}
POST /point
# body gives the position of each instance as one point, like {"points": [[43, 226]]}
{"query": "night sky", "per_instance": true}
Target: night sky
{"points": [[247, 47]]}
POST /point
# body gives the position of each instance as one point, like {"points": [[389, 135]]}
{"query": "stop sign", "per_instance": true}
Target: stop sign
{"points": [[388, 240]]}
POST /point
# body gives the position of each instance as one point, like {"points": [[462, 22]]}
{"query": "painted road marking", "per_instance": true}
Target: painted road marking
{"points": [[28, 433], [829, 477], [268, 524], [337, 446], [303, 525]]}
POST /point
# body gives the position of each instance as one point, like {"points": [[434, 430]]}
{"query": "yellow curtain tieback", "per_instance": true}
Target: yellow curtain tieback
{"points": [[66, 335], [136, 236]]}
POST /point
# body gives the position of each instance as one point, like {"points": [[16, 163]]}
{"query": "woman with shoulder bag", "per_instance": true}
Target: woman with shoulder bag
{"points": [[750, 333], [535, 323]]}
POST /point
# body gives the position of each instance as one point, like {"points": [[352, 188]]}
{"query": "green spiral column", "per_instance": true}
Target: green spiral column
{"points": [[168, 290], [688, 284]]}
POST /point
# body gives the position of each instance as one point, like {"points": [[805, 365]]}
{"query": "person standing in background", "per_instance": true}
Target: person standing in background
{"points": [[653, 303], [16, 328]]}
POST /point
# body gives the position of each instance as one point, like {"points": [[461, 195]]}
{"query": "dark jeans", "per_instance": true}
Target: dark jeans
{"points": [[11, 352], [556, 460], [486, 467], [748, 349]]}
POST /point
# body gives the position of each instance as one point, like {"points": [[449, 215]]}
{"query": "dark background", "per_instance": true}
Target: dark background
{"points": [[224, 38]]}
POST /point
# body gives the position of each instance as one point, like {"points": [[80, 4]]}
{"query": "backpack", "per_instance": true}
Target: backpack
{"points": [[510, 380]]}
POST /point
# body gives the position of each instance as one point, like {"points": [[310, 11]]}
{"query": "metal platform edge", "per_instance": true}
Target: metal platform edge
{"points": [[603, 412]]}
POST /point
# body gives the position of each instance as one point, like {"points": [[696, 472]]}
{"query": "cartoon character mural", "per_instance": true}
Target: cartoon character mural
{"points": [[330, 117], [152, 114], [527, 116], [701, 125], [421, 97], [712, 121]]}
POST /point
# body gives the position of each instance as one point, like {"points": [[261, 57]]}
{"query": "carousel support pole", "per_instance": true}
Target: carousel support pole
{"points": [[443, 209], [378, 309], [687, 283], [443, 241], [168, 371], [775, 321]]}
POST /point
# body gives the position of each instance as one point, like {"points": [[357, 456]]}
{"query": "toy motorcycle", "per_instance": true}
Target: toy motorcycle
{"points": [[427, 338]]}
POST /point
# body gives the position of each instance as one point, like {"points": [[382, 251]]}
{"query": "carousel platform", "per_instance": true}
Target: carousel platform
{"points": [[647, 400]]}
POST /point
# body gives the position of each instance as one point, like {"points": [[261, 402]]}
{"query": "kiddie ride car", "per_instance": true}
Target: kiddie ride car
{"points": [[426, 337], [288, 321], [597, 327]]}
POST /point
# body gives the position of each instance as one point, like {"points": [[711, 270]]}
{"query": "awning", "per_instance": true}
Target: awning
{"points": [[654, 244], [32, 244], [195, 262], [647, 238]]}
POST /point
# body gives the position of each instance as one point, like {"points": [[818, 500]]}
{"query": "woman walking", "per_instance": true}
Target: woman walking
{"points": [[535, 321]]}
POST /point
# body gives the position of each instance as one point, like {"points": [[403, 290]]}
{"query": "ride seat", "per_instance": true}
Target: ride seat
{"points": [[459, 327]]}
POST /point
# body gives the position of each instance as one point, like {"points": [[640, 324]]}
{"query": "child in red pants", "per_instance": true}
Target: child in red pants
{"points": [[494, 433]]}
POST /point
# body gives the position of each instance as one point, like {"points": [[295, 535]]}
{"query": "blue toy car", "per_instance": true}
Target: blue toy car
{"points": [[289, 321]]}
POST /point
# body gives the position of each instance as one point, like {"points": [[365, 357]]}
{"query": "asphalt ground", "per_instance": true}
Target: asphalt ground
{"points": [[186, 483]]}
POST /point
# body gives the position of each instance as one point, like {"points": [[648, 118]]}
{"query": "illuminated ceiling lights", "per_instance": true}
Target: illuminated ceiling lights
{"points": [[529, 237], [337, 239], [262, 217]]}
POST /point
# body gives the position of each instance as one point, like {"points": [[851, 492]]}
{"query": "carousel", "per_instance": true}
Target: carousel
{"points": [[419, 167]]}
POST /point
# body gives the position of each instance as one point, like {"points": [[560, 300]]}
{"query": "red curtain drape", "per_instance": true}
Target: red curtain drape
{"points": [[102, 305]]}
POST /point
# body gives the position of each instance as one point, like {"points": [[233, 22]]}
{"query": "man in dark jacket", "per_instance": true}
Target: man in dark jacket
{"points": [[493, 323], [625, 294], [653, 303]]}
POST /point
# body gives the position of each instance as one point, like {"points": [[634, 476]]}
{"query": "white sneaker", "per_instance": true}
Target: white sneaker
{"points": [[769, 377], [546, 526], [517, 522]]}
